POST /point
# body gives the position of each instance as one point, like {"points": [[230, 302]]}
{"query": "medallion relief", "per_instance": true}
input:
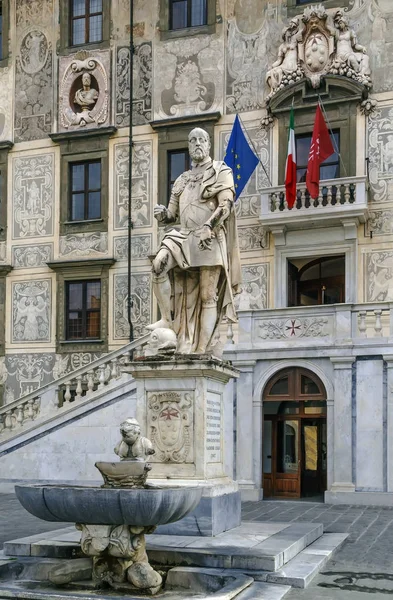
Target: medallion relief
{"points": [[84, 95]]}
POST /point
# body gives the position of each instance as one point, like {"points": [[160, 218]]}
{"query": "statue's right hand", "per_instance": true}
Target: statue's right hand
{"points": [[160, 212]]}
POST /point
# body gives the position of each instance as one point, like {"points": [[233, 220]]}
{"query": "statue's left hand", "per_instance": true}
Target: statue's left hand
{"points": [[205, 240]]}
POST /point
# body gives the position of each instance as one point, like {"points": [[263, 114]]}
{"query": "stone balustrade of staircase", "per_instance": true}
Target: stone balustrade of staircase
{"points": [[61, 394]]}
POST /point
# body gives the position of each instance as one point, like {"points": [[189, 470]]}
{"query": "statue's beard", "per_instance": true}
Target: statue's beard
{"points": [[198, 155]]}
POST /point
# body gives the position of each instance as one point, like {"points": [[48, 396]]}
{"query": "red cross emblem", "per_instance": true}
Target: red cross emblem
{"points": [[168, 413]]}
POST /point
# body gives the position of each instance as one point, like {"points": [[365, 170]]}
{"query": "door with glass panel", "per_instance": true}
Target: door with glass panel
{"points": [[294, 457]]}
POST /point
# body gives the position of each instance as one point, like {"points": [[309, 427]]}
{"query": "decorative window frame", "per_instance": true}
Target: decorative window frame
{"points": [[169, 34], [4, 149], [80, 146], [173, 135], [340, 97], [5, 34], [82, 270], [294, 9], [65, 29]]}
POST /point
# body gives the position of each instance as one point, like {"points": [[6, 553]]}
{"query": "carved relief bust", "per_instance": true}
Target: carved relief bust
{"points": [[84, 99]]}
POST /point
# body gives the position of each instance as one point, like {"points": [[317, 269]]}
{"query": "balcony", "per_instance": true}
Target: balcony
{"points": [[317, 327], [339, 200]]}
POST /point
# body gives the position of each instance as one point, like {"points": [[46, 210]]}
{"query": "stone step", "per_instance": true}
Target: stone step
{"points": [[250, 547], [264, 591], [302, 569]]}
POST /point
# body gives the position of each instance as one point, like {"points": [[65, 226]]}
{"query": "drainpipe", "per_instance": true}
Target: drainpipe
{"points": [[130, 223]]}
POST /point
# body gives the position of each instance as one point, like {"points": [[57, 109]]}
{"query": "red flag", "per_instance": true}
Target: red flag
{"points": [[320, 149]]}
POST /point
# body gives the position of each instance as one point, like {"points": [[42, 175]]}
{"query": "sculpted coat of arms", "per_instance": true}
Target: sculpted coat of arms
{"points": [[315, 44], [170, 426]]}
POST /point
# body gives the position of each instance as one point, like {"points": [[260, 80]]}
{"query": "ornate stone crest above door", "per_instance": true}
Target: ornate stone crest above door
{"points": [[84, 94]]}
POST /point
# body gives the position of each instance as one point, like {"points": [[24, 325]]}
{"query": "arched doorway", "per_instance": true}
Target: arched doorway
{"points": [[294, 442]]}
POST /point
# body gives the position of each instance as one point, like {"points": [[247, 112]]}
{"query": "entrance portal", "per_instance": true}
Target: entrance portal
{"points": [[294, 457]]}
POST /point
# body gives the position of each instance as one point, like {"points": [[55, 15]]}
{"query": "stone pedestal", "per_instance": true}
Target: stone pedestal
{"points": [[181, 407]]}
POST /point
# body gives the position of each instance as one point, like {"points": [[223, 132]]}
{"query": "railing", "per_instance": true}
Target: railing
{"points": [[61, 393], [326, 325], [337, 198]]}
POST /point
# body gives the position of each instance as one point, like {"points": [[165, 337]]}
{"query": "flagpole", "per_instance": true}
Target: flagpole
{"points": [[255, 151], [331, 133]]}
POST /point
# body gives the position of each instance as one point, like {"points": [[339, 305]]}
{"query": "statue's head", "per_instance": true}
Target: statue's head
{"points": [[198, 144], [130, 431], [340, 20], [86, 79]]}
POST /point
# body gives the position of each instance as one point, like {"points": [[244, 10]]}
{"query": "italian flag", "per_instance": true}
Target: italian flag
{"points": [[290, 168]]}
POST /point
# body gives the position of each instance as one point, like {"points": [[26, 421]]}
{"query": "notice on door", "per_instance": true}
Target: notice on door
{"points": [[213, 428]]}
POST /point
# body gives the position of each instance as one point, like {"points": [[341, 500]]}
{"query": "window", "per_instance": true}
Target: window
{"points": [[86, 21], [320, 281], [330, 168], [1, 30], [83, 310], [178, 162], [85, 190], [187, 13]]}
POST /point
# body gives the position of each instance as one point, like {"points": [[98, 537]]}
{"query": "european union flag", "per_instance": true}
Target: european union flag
{"points": [[240, 157]]}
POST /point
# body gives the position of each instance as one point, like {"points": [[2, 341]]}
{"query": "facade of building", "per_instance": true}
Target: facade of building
{"points": [[314, 402]]}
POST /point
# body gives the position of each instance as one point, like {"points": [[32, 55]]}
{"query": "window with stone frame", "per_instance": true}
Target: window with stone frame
{"points": [[329, 169], [84, 22], [173, 157], [186, 17], [82, 304], [83, 310], [4, 28], [85, 190], [84, 180]]}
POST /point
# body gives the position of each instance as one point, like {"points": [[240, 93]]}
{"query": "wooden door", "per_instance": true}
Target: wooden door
{"points": [[313, 438], [287, 458]]}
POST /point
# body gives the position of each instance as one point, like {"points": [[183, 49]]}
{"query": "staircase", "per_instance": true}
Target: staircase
{"points": [[66, 400]]}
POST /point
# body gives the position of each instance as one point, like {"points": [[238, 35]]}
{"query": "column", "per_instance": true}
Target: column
{"points": [[342, 433], [389, 424], [245, 442]]}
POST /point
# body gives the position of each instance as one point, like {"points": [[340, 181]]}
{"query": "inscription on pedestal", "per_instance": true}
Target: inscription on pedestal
{"points": [[213, 428]]}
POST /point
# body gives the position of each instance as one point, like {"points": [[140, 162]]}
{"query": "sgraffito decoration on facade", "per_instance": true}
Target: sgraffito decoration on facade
{"points": [[84, 90], [381, 153], [6, 94], [33, 12], [378, 269], [33, 87], [3, 252], [31, 256], [33, 196], [28, 372], [380, 222], [254, 294], [191, 77], [316, 44], [141, 247], [66, 363], [141, 305], [252, 237], [31, 304], [248, 57], [142, 85], [170, 426], [84, 244], [141, 184], [276, 329]]}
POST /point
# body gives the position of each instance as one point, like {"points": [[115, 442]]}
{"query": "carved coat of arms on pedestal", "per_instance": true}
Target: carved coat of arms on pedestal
{"points": [[170, 426]]}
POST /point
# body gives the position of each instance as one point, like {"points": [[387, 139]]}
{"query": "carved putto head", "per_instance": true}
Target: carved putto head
{"points": [[130, 431]]}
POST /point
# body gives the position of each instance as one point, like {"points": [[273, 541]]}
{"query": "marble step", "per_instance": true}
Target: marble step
{"points": [[250, 547], [302, 569], [264, 591]]}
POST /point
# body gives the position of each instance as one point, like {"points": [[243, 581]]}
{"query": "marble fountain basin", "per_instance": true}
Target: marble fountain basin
{"points": [[149, 506]]}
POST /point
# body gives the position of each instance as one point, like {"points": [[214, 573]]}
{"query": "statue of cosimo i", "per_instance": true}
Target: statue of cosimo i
{"points": [[196, 272]]}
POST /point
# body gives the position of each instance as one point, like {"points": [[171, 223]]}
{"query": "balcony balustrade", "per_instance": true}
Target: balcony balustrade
{"points": [[317, 326], [338, 199]]}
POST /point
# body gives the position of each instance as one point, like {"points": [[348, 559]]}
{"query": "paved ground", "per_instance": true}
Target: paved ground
{"points": [[362, 568]]}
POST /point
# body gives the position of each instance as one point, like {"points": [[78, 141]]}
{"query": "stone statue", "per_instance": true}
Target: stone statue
{"points": [[196, 271], [286, 65], [348, 51], [133, 446], [86, 98]]}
